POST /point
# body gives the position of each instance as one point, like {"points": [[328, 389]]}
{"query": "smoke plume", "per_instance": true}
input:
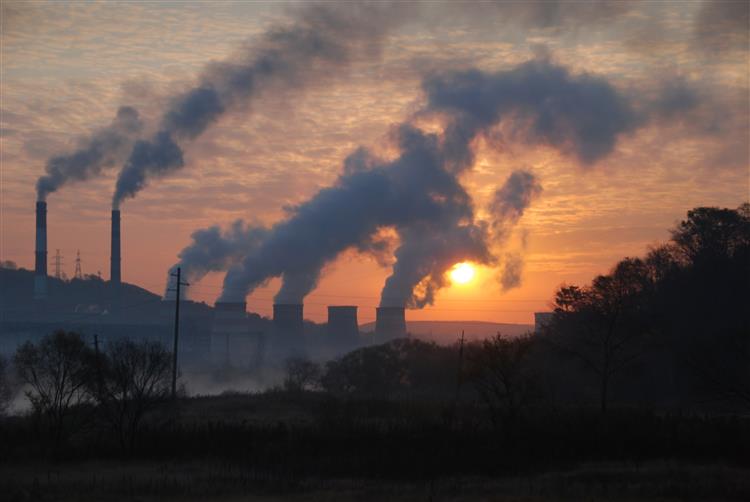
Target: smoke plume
{"points": [[510, 201], [426, 252], [368, 196], [322, 40], [510, 277], [506, 209], [419, 194], [214, 250], [104, 149], [581, 115]]}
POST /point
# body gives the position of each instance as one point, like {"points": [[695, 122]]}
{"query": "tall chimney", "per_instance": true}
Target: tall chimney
{"points": [[342, 323], [40, 265], [390, 322], [114, 265]]}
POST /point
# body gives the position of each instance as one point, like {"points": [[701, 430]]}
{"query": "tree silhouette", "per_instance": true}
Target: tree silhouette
{"points": [[604, 324], [301, 374], [371, 371], [710, 233], [132, 378], [499, 370], [57, 369], [5, 387], [706, 300]]}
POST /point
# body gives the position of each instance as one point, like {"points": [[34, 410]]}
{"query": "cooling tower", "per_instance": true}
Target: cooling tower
{"points": [[114, 264], [390, 322], [287, 317], [342, 323], [40, 258]]}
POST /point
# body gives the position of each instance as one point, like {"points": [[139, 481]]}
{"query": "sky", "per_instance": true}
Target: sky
{"points": [[682, 67]]}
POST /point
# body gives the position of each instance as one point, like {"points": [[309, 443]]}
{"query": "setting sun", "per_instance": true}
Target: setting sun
{"points": [[461, 273]]}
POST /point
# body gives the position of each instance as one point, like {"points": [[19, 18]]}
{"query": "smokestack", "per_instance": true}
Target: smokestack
{"points": [[287, 317], [342, 323], [40, 265], [390, 322], [114, 266]]}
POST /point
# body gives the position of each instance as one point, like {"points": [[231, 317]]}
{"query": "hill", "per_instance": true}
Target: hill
{"points": [[88, 299]]}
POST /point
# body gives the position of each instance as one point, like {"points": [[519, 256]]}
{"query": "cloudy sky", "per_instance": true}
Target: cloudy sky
{"points": [[681, 67]]}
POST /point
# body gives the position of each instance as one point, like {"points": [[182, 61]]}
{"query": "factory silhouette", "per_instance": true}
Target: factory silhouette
{"points": [[226, 335]]}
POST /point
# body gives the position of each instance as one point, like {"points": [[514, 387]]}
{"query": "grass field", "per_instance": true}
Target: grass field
{"points": [[310, 446], [220, 481]]}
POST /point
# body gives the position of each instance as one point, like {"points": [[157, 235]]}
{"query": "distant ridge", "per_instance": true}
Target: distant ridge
{"points": [[450, 331]]}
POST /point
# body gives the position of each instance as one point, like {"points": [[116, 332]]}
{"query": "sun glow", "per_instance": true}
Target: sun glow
{"points": [[461, 273]]}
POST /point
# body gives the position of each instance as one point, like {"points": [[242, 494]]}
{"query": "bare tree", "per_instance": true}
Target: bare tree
{"points": [[500, 372], [301, 374], [132, 377], [56, 370]]}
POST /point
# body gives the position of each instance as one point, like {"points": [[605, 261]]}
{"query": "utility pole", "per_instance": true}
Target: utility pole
{"points": [[176, 289], [79, 273]]}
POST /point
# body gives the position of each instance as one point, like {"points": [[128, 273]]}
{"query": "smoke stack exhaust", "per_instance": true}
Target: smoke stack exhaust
{"points": [[342, 323], [40, 263], [114, 266], [390, 322]]}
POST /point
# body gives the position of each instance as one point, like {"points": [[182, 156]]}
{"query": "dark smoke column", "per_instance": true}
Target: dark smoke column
{"points": [[317, 43], [114, 265], [40, 265]]}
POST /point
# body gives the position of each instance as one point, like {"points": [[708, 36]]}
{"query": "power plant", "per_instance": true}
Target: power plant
{"points": [[225, 335]]}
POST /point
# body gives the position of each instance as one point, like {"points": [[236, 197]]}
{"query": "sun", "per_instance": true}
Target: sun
{"points": [[461, 273]]}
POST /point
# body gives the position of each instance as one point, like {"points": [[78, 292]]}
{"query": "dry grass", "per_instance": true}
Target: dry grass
{"points": [[218, 481]]}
